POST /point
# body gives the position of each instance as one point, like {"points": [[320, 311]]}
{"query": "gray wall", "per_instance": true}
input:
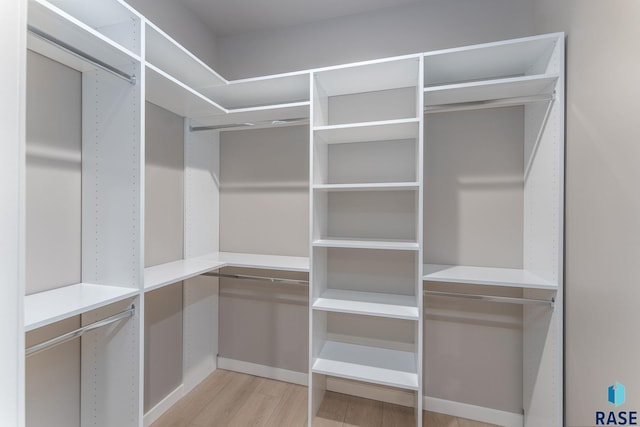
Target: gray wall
{"points": [[164, 241], [181, 24], [53, 247], [602, 203], [417, 27], [264, 209]]}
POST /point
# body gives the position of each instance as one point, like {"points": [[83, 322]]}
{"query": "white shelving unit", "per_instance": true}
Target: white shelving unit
{"points": [[101, 40], [366, 204], [525, 74], [370, 248]]}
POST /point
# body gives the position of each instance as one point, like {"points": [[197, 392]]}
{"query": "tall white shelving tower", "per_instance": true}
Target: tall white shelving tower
{"points": [[366, 227]]}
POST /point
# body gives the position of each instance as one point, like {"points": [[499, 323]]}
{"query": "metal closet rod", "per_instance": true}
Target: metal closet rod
{"points": [[258, 278], [503, 102], [79, 332], [80, 54], [491, 298], [295, 120]]}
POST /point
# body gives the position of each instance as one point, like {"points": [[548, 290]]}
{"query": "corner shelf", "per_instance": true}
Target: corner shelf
{"points": [[47, 307], [368, 303], [161, 275], [173, 95], [261, 91], [396, 245], [510, 277], [167, 55], [371, 364]]}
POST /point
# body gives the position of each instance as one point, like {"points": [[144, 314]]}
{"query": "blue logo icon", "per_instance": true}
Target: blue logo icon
{"points": [[616, 394]]}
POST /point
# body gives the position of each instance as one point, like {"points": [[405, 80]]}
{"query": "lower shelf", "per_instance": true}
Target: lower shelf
{"points": [[512, 277], [370, 364], [47, 307]]}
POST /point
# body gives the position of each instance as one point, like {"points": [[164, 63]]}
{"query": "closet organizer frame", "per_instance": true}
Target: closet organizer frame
{"points": [[168, 75], [101, 41]]}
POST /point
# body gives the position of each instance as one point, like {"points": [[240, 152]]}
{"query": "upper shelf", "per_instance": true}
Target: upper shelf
{"points": [[173, 95], [369, 76], [47, 307], [257, 117], [519, 57], [112, 18], [510, 277], [261, 91], [512, 87], [65, 28], [169, 56]]}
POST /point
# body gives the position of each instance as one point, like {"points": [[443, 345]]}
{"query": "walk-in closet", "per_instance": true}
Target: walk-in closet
{"points": [[381, 237]]}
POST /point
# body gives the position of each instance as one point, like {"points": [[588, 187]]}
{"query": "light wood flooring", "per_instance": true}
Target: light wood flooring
{"points": [[231, 399]]}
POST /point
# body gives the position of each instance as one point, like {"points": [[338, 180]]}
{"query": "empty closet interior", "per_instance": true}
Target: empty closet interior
{"points": [[390, 229]]}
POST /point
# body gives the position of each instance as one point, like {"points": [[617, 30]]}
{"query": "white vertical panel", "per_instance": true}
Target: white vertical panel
{"points": [[201, 235], [111, 369], [544, 254], [202, 192], [112, 205], [419, 338], [112, 239], [12, 108]]}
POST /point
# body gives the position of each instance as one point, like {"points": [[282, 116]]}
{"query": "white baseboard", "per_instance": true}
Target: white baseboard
{"points": [[279, 374], [163, 406], [472, 412]]}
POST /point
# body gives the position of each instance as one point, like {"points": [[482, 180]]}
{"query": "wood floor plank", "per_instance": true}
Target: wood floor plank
{"points": [[292, 409], [463, 422], [363, 412], [332, 411], [183, 412], [397, 416], [220, 410], [256, 409], [438, 420]]}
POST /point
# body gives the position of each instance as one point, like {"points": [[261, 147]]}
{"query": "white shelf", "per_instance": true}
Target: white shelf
{"points": [[47, 307], [490, 89], [167, 55], [369, 76], [511, 277], [62, 26], [260, 116], [262, 91], [380, 186], [368, 303], [165, 274], [267, 262], [396, 245], [173, 95], [97, 14], [387, 130], [489, 61], [370, 364]]}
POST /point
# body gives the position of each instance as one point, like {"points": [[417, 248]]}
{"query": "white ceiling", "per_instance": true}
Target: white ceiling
{"points": [[230, 17]]}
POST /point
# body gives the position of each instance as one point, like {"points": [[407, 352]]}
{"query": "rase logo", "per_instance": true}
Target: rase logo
{"points": [[616, 395]]}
